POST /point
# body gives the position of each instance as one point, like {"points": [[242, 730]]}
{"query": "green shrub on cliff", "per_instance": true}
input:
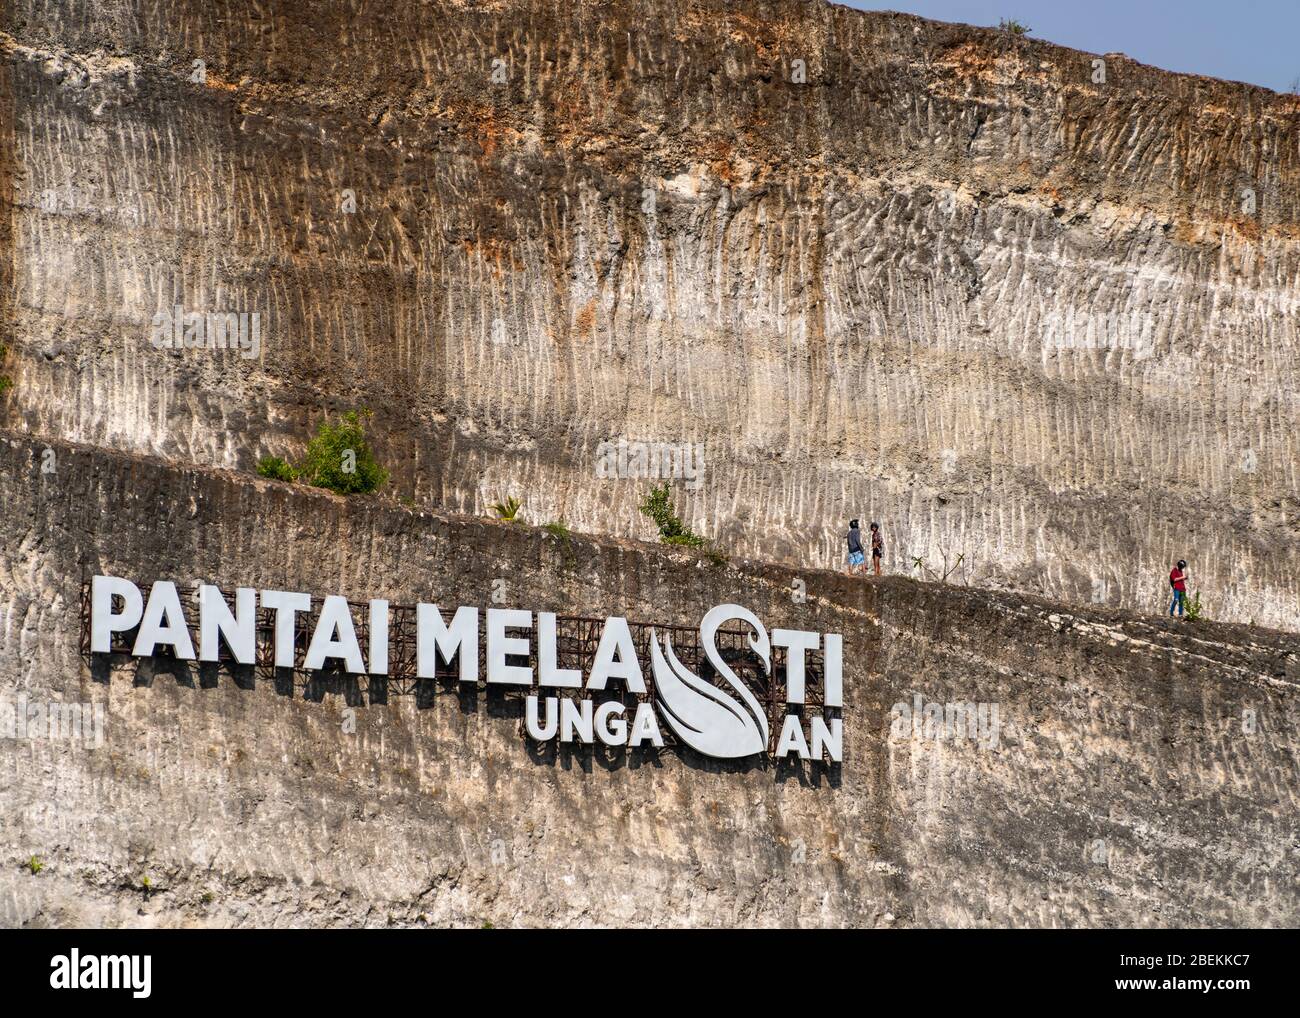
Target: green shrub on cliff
{"points": [[508, 510], [276, 469], [659, 507], [340, 458], [6, 383], [558, 528]]}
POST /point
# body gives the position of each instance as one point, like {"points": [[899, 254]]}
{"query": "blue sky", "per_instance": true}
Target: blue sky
{"points": [[1245, 40]]}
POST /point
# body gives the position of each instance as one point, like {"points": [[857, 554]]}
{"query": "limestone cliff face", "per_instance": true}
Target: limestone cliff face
{"points": [[950, 281], [1143, 772]]}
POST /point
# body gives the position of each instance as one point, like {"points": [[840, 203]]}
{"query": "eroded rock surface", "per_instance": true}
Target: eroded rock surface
{"points": [[951, 281], [1143, 772]]}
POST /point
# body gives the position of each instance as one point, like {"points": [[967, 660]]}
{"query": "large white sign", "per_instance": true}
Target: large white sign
{"points": [[724, 721]]}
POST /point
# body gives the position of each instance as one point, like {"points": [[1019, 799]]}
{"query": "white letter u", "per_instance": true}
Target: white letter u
{"points": [[535, 729]]}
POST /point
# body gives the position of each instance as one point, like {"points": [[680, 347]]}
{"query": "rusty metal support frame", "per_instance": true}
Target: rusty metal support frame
{"points": [[577, 638]]}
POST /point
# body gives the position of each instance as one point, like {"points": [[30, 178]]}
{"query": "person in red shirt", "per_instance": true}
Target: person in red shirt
{"points": [[1178, 580]]}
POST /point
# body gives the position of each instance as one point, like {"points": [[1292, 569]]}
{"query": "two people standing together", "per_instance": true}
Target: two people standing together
{"points": [[857, 560]]}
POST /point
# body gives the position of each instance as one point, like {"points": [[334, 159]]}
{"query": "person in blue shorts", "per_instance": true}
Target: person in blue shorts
{"points": [[857, 561]]}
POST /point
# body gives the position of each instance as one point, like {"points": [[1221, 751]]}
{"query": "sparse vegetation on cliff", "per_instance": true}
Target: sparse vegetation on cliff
{"points": [[941, 575], [1013, 27], [508, 510], [658, 506], [339, 458], [6, 383], [276, 468], [558, 528]]}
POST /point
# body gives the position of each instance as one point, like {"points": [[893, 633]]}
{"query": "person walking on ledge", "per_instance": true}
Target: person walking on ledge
{"points": [[856, 559], [877, 547], [1178, 580]]}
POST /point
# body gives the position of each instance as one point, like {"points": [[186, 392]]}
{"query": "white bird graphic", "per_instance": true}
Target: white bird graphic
{"points": [[702, 715]]}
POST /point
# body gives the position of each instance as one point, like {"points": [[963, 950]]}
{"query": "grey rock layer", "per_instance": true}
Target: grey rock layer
{"points": [[1144, 773]]}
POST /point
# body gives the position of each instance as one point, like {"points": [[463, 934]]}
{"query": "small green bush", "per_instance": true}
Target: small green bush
{"points": [[340, 458], [1014, 27], [276, 469], [508, 510], [34, 865], [1195, 613], [558, 528], [658, 506]]}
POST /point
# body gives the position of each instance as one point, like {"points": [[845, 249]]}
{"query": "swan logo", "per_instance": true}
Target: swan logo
{"points": [[699, 713]]}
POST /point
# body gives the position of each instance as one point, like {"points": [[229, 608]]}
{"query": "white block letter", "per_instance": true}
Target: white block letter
{"points": [[215, 622], [103, 623], [616, 637], [335, 636], [798, 642], [829, 740], [537, 730], [378, 637], [833, 659], [163, 603], [434, 639], [286, 604], [575, 718], [612, 731], [547, 673], [792, 739], [645, 726], [499, 646]]}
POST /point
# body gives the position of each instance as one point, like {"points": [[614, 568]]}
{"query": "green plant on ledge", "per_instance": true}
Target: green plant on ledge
{"points": [[1195, 613], [658, 506], [338, 457], [1013, 27], [558, 528], [276, 468], [34, 865], [507, 511]]}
